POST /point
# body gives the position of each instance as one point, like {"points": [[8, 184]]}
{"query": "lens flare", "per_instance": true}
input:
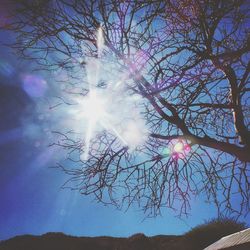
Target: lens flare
{"points": [[33, 85], [166, 152], [179, 147]]}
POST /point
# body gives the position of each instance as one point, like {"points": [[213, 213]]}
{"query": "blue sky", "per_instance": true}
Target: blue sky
{"points": [[33, 203], [31, 198]]}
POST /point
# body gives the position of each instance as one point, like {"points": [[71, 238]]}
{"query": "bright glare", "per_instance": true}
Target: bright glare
{"points": [[93, 110], [133, 134], [109, 109], [94, 107], [178, 147], [106, 107]]}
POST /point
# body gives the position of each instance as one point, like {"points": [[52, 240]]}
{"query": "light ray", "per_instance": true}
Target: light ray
{"points": [[100, 41], [88, 139], [112, 128]]}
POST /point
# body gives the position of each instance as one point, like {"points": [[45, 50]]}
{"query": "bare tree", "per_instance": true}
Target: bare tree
{"points": [[189, 60]]}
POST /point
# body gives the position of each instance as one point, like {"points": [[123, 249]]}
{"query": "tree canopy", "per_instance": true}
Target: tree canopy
{"points": [[188, 61]]}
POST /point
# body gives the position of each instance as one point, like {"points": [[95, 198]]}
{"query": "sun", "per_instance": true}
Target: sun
{"points": [[94, 107], [108, 108], [93, 110]]}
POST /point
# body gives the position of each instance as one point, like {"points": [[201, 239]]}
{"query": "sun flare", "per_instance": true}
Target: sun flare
{"points": [[109, 107], [94, 107]]}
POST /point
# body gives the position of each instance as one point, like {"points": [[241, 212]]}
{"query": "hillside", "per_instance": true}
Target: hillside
{"points": [[59, 241], [196, 239]]}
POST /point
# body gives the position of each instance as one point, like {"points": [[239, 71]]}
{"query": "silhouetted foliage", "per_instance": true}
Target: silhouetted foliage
{"points": [[196, 239], [205, 234]]}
